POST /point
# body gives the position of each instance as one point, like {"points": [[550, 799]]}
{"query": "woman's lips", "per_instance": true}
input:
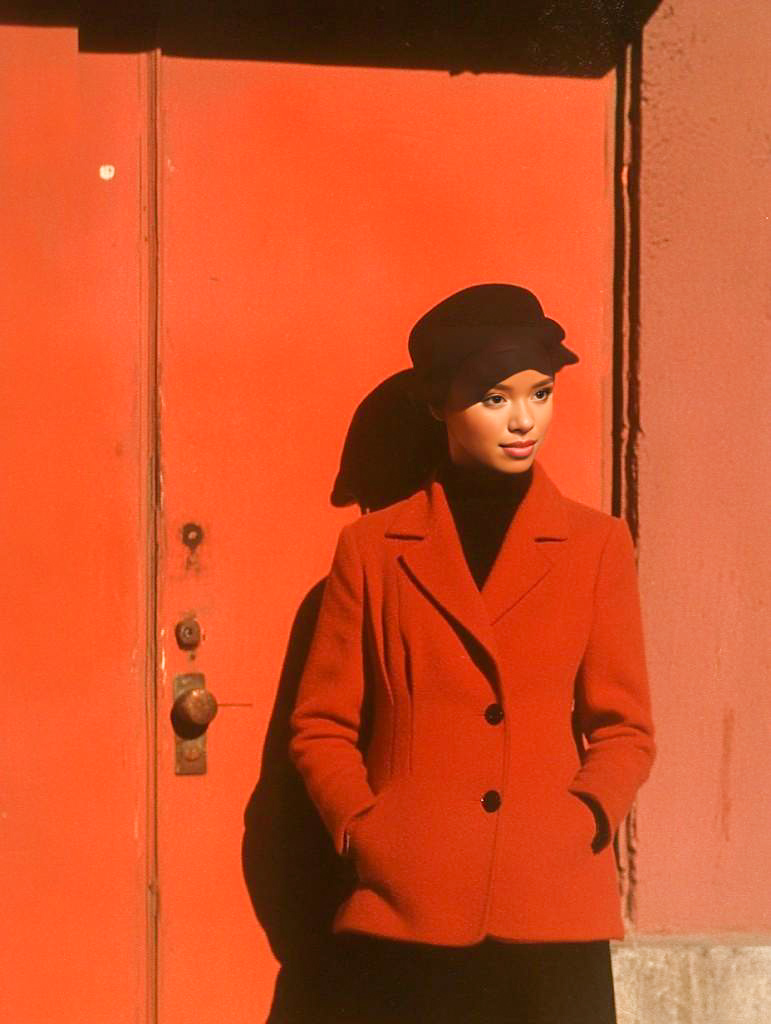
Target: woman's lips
{"points": [[518, 451]]}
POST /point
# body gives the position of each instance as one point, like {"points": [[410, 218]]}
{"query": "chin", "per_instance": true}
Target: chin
{"points": [[508, 465]]}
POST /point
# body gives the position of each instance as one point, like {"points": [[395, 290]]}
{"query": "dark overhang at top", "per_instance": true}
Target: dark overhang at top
{"points": [[582, 38]]}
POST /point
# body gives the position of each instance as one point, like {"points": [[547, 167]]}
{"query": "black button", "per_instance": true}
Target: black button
{"points": [[491, 801], [494, 713]]}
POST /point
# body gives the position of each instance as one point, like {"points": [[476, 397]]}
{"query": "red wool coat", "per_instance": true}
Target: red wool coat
{"points": [[489, 712]]}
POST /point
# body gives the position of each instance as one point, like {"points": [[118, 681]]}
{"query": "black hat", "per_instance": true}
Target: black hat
{"points": [[499, 328]]}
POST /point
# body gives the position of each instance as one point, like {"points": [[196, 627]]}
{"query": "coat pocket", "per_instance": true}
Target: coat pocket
{"points": [[581, 819], [381, 837], [557, 829], [362, 822]]}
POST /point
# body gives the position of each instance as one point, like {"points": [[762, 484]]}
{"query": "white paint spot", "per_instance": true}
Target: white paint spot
{"points": [[106, 172]]}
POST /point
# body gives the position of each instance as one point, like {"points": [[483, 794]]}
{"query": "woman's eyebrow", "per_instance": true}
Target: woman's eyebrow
{"points": [[538, 384]]}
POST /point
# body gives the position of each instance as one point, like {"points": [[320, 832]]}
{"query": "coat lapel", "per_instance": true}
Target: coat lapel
{"points": [[437, 564]]}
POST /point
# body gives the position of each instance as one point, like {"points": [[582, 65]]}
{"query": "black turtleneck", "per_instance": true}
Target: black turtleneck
{"points": [[483, 502]]}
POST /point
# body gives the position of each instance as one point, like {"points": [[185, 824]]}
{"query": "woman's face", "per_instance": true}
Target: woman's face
{"points": [[490, 428]]}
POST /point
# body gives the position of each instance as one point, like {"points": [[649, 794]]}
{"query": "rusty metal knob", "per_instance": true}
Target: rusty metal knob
{"points": [[192, 712]]}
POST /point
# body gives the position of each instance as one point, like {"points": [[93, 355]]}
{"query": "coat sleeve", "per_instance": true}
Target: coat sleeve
{"points": [[325, 722], [612, 697]]}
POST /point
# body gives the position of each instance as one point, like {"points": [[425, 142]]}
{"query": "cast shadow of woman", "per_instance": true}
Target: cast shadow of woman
{"points": [[294, 877]]}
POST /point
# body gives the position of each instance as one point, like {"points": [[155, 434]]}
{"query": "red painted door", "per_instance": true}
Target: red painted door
{"points": [[227, 259], [308, 216]]}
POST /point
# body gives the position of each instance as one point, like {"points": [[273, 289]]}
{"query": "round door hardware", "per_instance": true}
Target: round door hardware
{"points": [[188, 634], [192, 535], [192, 712]]}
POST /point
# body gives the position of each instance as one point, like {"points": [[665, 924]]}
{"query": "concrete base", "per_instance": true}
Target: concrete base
{"points": [[673, 980]]}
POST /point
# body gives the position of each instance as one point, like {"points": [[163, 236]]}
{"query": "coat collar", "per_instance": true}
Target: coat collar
{"points": [[438, 565]]}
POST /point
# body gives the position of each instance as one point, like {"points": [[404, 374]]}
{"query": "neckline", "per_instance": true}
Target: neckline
{"points": [[471, 483]]}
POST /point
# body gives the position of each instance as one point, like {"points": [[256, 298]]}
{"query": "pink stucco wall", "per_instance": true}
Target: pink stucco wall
{"points": [[705, 815]]}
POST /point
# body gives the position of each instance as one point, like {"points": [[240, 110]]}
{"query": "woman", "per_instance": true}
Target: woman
{"points": [[473, 721]]}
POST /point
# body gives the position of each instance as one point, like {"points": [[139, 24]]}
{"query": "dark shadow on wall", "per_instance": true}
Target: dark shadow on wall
{"points": [[547, 37], [293, 874]]}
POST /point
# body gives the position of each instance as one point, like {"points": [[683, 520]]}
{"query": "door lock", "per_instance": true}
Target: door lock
{"points": [[188, 634]]}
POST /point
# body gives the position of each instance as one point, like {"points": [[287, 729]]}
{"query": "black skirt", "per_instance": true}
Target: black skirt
{"points": [[372, 980]]}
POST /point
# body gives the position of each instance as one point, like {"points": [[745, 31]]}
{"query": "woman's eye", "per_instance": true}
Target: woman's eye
{"points": [[545, 392], [490, 399]]}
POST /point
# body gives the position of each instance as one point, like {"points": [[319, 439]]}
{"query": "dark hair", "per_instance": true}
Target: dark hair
{"points": [[392, 445]]}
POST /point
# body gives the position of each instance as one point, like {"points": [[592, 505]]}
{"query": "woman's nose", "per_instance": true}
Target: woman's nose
{"points": [[521, 418]]}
